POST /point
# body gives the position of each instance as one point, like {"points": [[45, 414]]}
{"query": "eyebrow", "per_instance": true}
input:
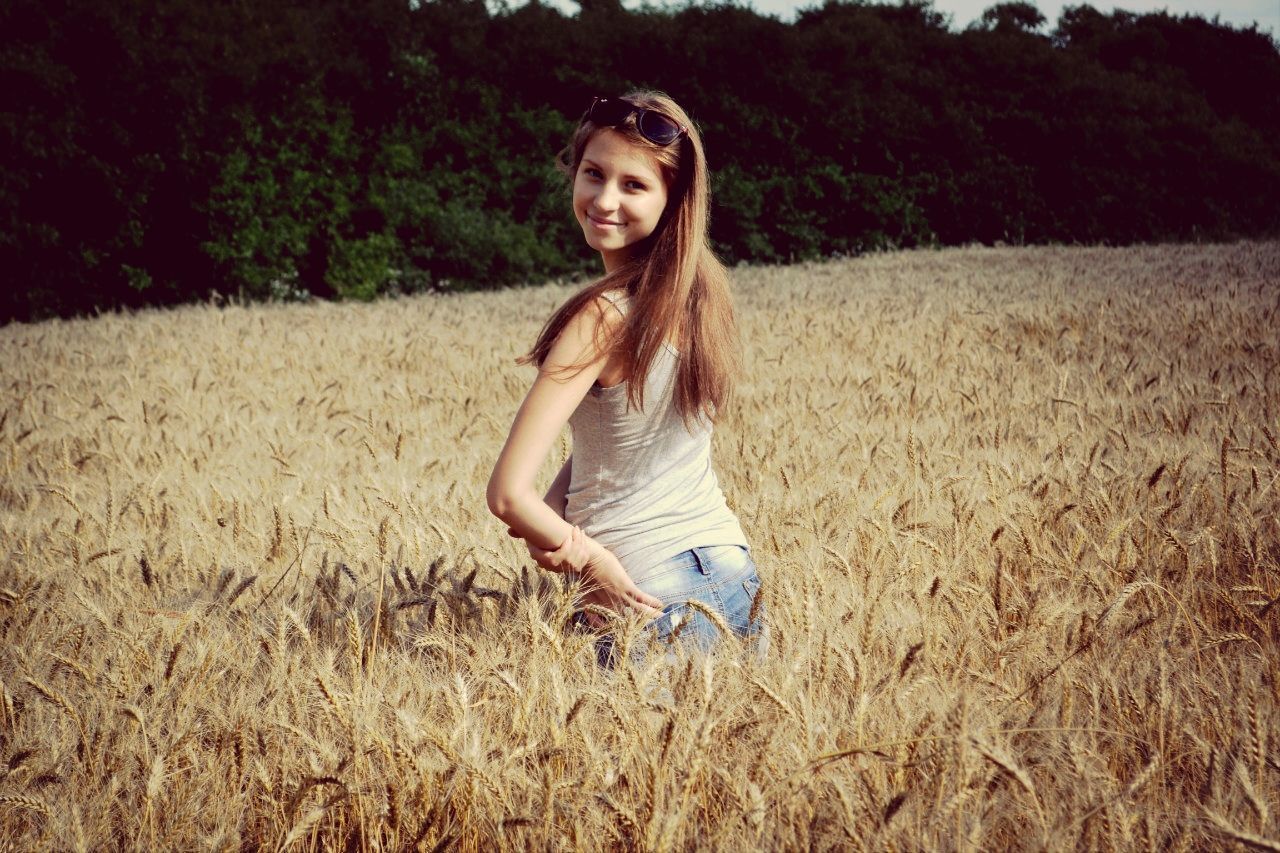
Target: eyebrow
{"points": [[644, 179]]}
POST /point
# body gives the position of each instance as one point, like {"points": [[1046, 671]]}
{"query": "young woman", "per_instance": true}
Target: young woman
{"points": [[641, 364]]}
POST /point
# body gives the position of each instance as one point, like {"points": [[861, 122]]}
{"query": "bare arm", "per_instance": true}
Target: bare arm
{"points": [[557, 494], [541, 417], [546, 409]]}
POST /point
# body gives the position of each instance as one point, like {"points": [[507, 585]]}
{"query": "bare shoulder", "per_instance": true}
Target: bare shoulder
{"points": [[594, 328], [600, 310], [587, 334]]}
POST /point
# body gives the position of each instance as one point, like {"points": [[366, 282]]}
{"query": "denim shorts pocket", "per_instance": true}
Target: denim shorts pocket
{"points": [[671, 624], [751, 586], [744, 603]]}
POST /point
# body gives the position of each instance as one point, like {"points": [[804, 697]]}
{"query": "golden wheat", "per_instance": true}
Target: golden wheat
{"points": [[1016, 513]]}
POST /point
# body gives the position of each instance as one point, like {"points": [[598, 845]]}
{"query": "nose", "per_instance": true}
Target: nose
{"points": [[607, 198]]}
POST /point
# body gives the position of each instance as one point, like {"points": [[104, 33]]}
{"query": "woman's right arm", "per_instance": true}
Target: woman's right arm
{"points": [[556, 498], [544, 412]]}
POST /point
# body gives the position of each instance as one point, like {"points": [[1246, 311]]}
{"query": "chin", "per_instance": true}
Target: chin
{"points": [[599, 245]]}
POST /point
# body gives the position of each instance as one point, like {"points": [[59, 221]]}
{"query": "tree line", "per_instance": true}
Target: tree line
{"points": [[163, 151]]}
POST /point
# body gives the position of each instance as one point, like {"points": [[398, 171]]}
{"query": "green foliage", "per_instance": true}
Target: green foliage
{"points": [[161, 150], [362, 268], [291, 184]]}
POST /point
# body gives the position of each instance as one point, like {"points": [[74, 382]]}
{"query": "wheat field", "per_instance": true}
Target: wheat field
{"points": [[1015, 511]]}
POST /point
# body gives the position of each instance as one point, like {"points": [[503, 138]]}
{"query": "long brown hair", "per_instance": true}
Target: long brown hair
{"points": [[679, 289]]}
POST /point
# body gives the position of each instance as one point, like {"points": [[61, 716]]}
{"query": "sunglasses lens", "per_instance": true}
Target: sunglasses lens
{"points": [[609, 111], [658, 128]]}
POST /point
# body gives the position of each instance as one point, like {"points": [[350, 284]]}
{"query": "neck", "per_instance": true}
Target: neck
{"points": [[613, 260]]}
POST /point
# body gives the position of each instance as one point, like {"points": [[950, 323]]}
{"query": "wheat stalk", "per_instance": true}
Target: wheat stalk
{"points": [[1248, 839]]}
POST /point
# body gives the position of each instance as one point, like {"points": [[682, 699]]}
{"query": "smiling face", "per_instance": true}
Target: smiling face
{"points": [[618, 196]]}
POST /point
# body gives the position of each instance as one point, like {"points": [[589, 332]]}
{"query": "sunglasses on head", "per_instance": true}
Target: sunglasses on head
{"points": [[654, 126]]}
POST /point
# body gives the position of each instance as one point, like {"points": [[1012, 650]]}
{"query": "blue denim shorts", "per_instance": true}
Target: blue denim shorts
{"points": [[723, 578]]}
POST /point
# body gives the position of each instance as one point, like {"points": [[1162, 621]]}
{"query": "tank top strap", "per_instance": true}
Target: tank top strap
{"points": [[620, 299]]}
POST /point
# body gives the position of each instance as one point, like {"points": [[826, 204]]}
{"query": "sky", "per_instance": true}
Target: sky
{"points": [[1237, 13]]}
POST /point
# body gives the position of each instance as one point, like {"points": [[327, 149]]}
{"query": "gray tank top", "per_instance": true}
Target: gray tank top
{"points": [[641, 484]]}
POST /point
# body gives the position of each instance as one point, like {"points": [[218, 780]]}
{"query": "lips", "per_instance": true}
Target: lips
{"points": [[602, 222]]}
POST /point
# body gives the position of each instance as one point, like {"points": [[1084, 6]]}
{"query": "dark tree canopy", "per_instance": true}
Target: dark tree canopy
{"points": [[159, 151], [1013, 17]]}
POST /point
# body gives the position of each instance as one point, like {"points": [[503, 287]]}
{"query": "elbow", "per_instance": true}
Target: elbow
{"points": [[500, 500]]}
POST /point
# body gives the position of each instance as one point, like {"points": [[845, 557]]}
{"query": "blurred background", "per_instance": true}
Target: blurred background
{"points": [[163, 151]]}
